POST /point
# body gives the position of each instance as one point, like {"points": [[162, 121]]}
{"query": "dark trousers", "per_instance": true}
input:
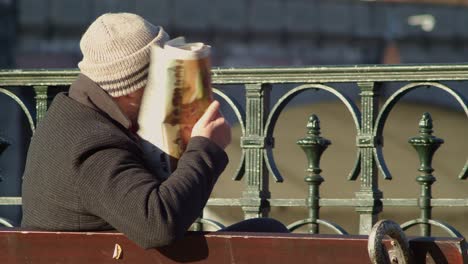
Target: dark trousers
{"points": [[268, 225]]}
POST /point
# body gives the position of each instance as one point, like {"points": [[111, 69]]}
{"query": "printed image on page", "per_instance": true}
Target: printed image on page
{"points": [[177, 94]]}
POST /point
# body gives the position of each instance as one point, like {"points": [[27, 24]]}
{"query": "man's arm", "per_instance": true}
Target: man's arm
{"points": [[114, 185]]}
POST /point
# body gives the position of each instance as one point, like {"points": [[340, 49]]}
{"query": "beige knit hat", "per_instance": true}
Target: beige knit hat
{"points": [[116, 52]]}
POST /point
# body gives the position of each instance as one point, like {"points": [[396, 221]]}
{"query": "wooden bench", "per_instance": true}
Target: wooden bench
{"points": [[20, 246]]}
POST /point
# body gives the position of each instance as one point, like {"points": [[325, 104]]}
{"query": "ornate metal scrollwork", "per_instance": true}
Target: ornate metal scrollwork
{"points": [[395, 98], [204, 221], [22, 105], [285, 99], [6, 222], [241, 119]]}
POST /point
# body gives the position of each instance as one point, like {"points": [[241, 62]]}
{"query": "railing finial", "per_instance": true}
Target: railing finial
{"points": [[426, 145], [313, 125], [425, 124], [313, 145]]}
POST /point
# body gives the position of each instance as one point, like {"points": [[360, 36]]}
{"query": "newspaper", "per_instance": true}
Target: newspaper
{"points": [[177, 94]]}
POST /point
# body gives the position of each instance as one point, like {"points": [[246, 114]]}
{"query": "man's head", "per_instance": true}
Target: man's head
{"points": [[116, 53]]}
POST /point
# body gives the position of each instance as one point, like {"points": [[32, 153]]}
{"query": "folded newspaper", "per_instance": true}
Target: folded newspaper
{"points": [[177, 94]]}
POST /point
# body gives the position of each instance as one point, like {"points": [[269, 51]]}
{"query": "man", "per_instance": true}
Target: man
{"points": [[85, 169]]}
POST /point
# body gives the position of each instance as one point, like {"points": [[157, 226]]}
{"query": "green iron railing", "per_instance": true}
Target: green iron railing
{"points": [[258, 119]]}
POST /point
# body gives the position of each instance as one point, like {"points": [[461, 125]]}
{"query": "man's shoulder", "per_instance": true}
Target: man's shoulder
{"points": [[69, 119], [64, 107], [68, 112]]}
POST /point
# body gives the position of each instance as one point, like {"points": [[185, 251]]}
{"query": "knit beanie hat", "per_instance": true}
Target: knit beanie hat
{"points": [[116, 52]]}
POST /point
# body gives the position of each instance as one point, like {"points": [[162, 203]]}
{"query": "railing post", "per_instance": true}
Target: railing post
{"points": [[255, 197], [41, 102], [314, 145], [369, 196], [426, 145]]}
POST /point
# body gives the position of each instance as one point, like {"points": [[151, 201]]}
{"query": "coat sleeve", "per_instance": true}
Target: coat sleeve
{"points": [[115, 185]]}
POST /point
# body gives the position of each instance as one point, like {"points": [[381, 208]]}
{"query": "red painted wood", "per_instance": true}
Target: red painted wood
{"points": [[68, 247]]}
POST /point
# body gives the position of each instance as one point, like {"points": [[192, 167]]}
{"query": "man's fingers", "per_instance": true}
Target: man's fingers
{"points": [[218, 121], [211, 113]]}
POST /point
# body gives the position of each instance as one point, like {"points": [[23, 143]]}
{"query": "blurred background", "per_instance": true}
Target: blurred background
{"points": [[254, 33], [46, 33]]}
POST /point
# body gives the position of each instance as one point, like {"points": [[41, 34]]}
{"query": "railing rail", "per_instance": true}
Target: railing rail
{"points": [[322, 74], [258, 118]]}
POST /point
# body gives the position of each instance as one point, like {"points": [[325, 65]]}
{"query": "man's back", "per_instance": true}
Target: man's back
{"points": [[51, 199]]}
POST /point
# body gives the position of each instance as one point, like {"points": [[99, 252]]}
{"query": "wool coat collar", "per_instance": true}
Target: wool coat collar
{"points": [[87, 92]]}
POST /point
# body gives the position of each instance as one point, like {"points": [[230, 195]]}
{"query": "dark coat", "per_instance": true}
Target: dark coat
{"points": [[85, 171]]}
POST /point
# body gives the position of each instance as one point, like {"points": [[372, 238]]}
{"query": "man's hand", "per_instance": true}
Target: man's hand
{"points": [[212, 125]]}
